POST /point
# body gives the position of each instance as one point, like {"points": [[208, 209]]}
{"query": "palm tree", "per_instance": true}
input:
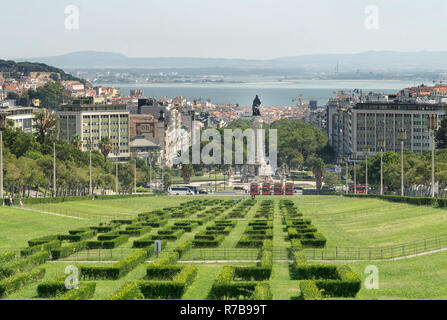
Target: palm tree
{"points": [[45, 124], [76, 141], [318, 170], [186, 173], [105, 145]]}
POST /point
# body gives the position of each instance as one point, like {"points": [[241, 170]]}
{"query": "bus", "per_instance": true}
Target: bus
{"points": [[360, 189], [194, 188], [289, 189], [266, 189], [277, 189], [180, 191], [254, 189]]}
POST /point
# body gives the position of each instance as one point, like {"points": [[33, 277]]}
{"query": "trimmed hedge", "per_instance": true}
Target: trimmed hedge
{"points": [[115, 271], [85, 291], [7, 256], [108, 244], [183, 248], [43, 240], [18, 281], [49, 289], [262, 292], [129, 291], [68, 250], [79, 236], [48, 246], [169, 289], [147, 242], [24, 264], [310, 291]]}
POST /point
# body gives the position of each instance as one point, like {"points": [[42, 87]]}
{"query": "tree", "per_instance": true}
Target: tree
{"points": [[330, 179], [186, 172], [441, 135], [167, 180], [317, 165], [105, 145], [45, 124], [76, 141]]}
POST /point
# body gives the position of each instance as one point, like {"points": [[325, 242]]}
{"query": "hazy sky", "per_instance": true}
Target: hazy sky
{"points": [[258, 29]]}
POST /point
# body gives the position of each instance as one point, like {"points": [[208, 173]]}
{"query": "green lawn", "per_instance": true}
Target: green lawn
{"points": [[343, 221], [370, 222]]}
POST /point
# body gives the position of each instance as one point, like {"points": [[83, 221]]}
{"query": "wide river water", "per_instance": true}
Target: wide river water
{"points": [[271, 93]]}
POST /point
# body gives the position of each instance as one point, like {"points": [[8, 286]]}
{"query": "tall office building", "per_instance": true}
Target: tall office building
{"points": [[95, 121]]}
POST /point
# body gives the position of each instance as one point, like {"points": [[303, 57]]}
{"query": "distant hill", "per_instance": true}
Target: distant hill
{"points": [[383, 61], [15, 69]]}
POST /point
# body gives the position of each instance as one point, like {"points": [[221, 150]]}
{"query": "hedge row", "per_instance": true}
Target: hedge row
{"points": [[65, 251], [129, 291], [85, 291], [81, 198], [24, 264], [108, 244], [310, 291], [48, 246], [18, 281], [7, 256], [173, 289], [115, 271], [418, 201], [183, 248]]}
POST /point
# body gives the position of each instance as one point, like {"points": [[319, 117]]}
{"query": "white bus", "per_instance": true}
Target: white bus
{"points": [[180, 191]]}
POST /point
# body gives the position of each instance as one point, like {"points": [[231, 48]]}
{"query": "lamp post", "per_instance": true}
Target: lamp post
{"points": [[135, 177], [347, 175], [402, 137], [432, 127], [2, 128], [366, 172], [90, 145], [381, 143], [116, 152], [354, 156]]}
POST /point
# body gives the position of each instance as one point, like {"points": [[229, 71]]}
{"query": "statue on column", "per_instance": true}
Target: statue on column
{"points": [[256, 105]]}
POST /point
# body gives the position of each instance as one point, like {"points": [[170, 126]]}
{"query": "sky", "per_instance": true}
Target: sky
{"points": [[248, 29]]}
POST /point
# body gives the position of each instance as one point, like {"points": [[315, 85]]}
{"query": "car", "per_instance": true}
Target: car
{"points": [[203, 191], [239, 188]]}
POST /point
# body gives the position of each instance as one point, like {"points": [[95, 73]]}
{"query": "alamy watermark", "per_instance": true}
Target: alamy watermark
{"points": [[372, 280], [72, 17], [372, 17], [72, 280], [233, 142]]}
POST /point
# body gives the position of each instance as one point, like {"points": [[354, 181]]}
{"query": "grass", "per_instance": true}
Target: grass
{"points": [[344, 222], [370, 222]]}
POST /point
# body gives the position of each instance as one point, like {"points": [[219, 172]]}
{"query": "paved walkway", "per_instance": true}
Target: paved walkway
{"points": [[51, 213]]}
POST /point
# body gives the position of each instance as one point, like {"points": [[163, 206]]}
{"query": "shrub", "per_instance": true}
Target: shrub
{"points": [[50, 289], [262, 292], [65, 251], [115, 271], [18, 281], [162, 272], [316, 271], [43, 240], [348, 284], [43, 247], [85, 291], [147, 242], [183, 248], [7, 256], [129, 291], [309, 290], [79, 236], [24, 264]]}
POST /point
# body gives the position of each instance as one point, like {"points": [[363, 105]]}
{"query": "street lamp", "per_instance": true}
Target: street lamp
{"points": [[432, 127], [381, 144], [116, 152], [347, 175], [354, 157], [402, 137], [2, 128], [90, 145], [54, 138], [366, 172]]}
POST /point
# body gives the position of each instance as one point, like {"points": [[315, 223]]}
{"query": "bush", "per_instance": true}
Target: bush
{"points": [[162, 272], [309, 290], [16, 282], [7, 256], [183, 248], [24, 264], [68, 250], [262, 292], [147, 242], [85, 291], [348, 284], [129, 291], [316, 271], [115, 271], [108, 244], [43, 247], [79, 236], [50, 289], [43, 240]]}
